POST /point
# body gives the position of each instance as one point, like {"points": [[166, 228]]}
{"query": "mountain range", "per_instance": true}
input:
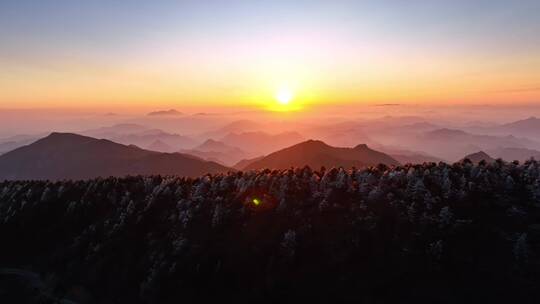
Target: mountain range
{"points": [[452, 144], [133, 148], [142, 136], [72, 156]]}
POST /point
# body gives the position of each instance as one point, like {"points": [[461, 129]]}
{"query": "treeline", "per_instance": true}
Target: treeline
{"points": [[431, 233]]}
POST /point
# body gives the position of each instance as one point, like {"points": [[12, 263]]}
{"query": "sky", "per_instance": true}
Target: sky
{"points": [[114, 55]]}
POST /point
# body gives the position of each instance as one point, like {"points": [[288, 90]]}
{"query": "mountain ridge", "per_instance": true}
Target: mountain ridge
{"points": [[72, 156], [316, 153]]}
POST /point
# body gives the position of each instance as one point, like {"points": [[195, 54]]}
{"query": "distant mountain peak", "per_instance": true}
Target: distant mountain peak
{"points": [[481, 153], [211, 141], [171, 112], [56, 134], [60, 136], [361, 147], [313, 142], [316, 153], [478, 157]]}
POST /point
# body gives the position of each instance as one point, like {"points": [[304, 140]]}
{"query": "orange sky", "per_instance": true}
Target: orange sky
{"points": [[159, 58]]}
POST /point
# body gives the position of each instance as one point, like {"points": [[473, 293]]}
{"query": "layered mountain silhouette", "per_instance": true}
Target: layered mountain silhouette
{"points": [[217, 151], [262, 143], [316, 153], [237, 126], [511, 154], [114, 130], [218, 146], [160, 146], [142, 136], [72, 156], [452, 144], [241, 165], [149, 137], [525, 126]]}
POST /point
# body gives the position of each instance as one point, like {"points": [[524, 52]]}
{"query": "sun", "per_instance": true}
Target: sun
{"points": [[285, 99], [284, 95]]}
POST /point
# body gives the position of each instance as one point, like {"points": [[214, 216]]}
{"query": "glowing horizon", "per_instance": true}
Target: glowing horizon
{"points": [[80, 54]]}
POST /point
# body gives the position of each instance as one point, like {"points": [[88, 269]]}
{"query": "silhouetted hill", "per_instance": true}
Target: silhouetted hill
{"points": [[316, 153], [72, 156], [479, 156]]}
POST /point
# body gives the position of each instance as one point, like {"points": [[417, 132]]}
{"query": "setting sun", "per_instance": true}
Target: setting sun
{"points": [[284, 96], [285, 99]]}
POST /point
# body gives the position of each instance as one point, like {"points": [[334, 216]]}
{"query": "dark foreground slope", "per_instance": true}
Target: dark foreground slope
{"points": [[71, 156], [417, 234]]}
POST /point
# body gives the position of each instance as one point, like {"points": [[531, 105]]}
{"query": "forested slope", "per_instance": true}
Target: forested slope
{"points": [[431, 233]]}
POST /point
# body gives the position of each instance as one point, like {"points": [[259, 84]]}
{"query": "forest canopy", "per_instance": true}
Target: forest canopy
{"points": [[431, 233]]}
